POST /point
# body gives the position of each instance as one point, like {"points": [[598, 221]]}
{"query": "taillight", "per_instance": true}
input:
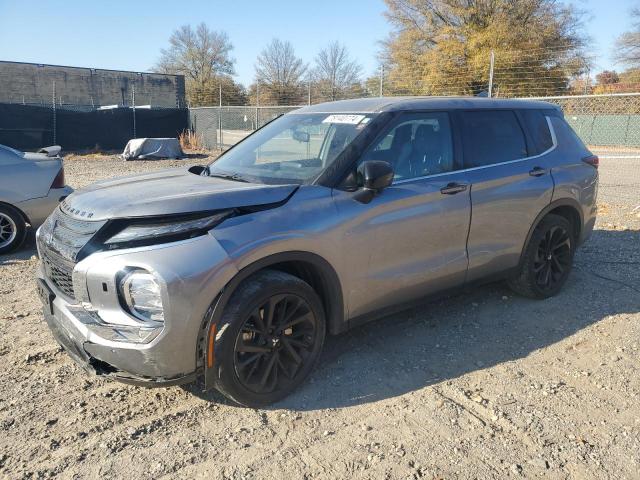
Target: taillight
{"points": [[592, 160], [58, 182]]}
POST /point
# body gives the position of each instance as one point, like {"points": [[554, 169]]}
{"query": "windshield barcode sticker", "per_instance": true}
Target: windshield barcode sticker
{"points": [[350, 119]]}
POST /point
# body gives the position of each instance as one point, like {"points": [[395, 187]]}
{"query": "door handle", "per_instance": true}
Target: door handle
{"points": [[537, 171], [453, 188]]}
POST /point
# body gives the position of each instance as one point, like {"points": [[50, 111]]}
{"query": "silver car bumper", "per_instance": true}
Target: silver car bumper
{"points": [[38, 209], [190, 273]]}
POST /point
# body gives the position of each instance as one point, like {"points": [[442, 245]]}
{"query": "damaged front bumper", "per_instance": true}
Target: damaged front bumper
{"points": [[95, 358], [190, 272]]}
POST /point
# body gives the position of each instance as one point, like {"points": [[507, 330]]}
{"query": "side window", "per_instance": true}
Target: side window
{"points": [[538, 128], [491, 136], [416, 145], [566, 135]]}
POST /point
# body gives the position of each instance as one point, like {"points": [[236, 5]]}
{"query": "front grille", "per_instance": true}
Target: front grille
{"points": [[69, 235], [60, 240], [59, 272]]}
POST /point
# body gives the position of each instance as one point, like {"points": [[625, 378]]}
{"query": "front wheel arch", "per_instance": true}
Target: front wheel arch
{"points": [[310, 267]]}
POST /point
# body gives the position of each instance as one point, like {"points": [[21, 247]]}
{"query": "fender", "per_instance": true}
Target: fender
{"points": [[562, 202], [24, 215], [334, 307]]}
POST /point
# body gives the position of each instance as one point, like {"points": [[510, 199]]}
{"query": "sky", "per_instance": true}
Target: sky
{"points": [[128, 35]]}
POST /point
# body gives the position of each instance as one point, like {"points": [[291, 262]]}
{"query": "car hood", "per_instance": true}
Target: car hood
{"points": [[166, 192]]}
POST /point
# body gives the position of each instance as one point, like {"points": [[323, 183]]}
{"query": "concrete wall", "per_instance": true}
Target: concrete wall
{"points": [[33, 83]]}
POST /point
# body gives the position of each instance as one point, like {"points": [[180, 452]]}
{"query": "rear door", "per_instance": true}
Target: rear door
{"points": [[510, 185], [413, 234]]}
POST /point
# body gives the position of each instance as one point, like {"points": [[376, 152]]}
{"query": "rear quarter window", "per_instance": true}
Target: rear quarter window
{"points": [[492, 136], [566, 136], [538, 128]]}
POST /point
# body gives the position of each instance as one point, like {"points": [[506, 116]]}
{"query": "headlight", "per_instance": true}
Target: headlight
{"points": [[141, 294], [146, 231]]}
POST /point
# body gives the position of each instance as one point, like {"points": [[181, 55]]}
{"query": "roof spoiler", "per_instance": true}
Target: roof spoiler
{"points": [[52, 151]]}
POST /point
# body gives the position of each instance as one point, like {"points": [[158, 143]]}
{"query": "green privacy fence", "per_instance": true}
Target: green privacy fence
{"points": [[614, 130], [607, 120]]}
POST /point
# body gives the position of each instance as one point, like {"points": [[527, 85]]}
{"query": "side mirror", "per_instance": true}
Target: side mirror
{"points": [[374, 176], [301, 136], [198, 169]]}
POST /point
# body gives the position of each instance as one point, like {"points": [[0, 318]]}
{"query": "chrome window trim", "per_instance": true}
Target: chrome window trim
{"points": [[546, 152]]}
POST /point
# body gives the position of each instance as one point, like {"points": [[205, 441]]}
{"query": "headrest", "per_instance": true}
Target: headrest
{"points": [[401, 136], [426, 133]]}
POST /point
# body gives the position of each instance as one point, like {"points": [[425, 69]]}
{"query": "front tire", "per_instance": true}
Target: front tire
{"points": [[270, 338], [13, 229], [547, 260]]}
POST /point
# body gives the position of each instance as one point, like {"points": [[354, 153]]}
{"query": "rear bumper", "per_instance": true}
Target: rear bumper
{"points": [[38, 209]]}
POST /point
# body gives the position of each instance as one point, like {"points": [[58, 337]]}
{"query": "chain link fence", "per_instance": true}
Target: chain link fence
{"points": [[223, 127], [611, 121]]}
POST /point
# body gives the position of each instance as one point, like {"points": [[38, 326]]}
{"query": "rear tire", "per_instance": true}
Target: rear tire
{"points": [[547, 260], [269, 338], [13, 229]]}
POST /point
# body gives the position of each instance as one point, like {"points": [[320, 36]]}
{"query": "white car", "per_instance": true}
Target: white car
{"points": [[31, 186]]}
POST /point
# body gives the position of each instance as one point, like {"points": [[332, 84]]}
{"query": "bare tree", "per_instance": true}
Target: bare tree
{"points": [[280, 73], [335, 72], [203, 56], [628, 44]]}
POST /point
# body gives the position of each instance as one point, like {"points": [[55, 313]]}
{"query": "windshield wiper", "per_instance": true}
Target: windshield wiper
{"points": [[236, 177]]}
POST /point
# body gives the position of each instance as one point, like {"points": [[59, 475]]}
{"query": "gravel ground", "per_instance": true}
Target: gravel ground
{"points": [[482, 385]]}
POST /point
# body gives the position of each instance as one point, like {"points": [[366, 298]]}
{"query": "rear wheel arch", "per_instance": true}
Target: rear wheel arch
{"points": [[567, 208], [13, 228], [547, 260], [24, 215]]}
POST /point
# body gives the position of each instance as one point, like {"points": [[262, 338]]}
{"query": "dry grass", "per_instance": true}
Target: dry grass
{"points": [[190, 141], [94, 153]]}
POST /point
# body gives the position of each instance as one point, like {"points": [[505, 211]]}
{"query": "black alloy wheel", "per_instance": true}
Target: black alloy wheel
{"points": [[274, 343], [547, 259], [270, 337], [553, 257]]}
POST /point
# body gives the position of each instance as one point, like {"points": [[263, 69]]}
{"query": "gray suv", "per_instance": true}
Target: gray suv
{"points": [[329, 216]]}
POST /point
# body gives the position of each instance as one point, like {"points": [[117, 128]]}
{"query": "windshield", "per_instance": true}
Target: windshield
{"points": [[294, 148]]}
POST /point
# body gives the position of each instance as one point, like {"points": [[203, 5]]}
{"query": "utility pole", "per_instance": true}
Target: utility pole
{"points": [[309, 93], [257, 104], [54, 112], [381, 79], [133, 106], [220, 113], [586, 82], [491, 62]]}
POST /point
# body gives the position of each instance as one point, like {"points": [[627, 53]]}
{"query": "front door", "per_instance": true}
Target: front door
{"points": [[410, 240]]}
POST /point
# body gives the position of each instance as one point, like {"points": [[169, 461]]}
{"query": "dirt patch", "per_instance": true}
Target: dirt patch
{"points": [[481, 385]]}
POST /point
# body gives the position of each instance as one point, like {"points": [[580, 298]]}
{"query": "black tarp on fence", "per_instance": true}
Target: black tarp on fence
{"points": [[29, 127], [26, 127]]}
